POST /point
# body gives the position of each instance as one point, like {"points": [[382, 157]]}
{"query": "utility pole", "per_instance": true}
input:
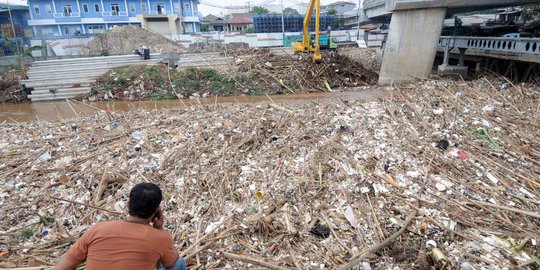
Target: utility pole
{"points": [[11, 19], [282, 25], [360, 9]]}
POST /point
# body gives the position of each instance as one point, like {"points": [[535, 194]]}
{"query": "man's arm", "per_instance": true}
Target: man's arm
{"points": [[76, 253], [170, 255], [67, 263]]}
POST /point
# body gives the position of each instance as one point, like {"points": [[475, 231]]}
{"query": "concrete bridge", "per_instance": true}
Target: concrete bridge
{"points": [[415, 30]]}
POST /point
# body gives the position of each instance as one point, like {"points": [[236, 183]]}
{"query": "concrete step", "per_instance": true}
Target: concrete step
{"points": [[53, 97], [46, 83], [82, 68], [81, 89], [113, 58], [47, 88], [93, 64], [60, 93]]}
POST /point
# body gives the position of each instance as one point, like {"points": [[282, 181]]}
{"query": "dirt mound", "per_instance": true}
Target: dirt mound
{"points": [[123, 40]]}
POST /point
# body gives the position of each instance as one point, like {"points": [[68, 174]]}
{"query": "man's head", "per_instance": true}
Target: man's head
{"points": [[144, 200]]}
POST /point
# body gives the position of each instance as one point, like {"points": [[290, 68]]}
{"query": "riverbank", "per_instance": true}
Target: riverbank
{"points": [[449, 168], [251, 72]]}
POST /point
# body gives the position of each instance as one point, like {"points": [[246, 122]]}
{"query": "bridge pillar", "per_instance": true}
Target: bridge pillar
{"points": [[411, 45]]}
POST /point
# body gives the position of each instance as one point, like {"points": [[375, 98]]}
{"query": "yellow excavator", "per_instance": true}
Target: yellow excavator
{"points": [[305, 45]]}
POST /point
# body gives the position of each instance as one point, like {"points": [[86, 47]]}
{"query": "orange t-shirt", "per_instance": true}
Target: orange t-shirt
{"points": [[123, 245]]}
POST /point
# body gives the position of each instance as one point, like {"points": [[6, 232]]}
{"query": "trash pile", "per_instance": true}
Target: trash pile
{"points": [[215, 46], [292, 72], [125, 39], [9, 86], [243, 72], [371, 58], [439, 175]]}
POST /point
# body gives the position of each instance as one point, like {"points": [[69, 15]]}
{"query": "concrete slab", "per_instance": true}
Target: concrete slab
{"points": [[452, 71]]}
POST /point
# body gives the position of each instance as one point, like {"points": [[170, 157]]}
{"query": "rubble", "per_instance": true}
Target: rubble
{"points": [[125, 39], [9, 86], [253, 72], [249, 193]]}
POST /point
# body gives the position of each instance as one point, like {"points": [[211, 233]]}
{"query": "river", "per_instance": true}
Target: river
{"points": [[60, 110]]}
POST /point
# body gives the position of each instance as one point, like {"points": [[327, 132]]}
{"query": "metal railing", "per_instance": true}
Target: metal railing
{"points": [[516, 45], [155, 12], [67, 15], [114, 13]]}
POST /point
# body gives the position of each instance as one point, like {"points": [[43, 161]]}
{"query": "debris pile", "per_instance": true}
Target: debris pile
{"points": [[125, 39], [9, 86], [309, 186], [249, 72], [215, 46], [298, 72]]}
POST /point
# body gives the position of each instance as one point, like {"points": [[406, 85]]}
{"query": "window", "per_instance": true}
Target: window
{"points": [[36, 9], [186, 7], [48, 9], [67, 10], [96, 7], [95, 29], [160, 7], [115, 10], [66, 30], [143, 7], [132, 7], [177, 7], [85, 8]]}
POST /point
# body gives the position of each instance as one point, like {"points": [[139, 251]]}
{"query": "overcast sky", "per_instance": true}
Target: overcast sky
{"points": [[206, 9]]}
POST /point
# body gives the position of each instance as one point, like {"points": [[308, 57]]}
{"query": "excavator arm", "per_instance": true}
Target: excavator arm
{"points": [[305, 46]]}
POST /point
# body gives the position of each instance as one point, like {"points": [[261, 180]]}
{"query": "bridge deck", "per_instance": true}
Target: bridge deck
{"points": [[377, 8]]}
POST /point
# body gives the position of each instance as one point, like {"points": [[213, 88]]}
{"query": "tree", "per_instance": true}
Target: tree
{"points": [[331, 12], [249, 29], [259, 10], [22, 53], [291, 11], [204, 27]]}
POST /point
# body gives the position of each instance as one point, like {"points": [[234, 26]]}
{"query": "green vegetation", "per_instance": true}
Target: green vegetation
{"points": [[26, 234], [259, 10], [157, 85], [331, 12], [162, 96], [291, 11], [21, 53]]}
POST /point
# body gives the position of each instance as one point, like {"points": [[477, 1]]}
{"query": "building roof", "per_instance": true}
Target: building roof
{"points": [[242, 18], [338, 3], [4, 6], [212, 19]]}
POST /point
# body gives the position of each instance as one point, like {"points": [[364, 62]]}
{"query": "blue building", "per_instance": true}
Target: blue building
{"points": [[14, 26], [61, 18], [14, 17]]}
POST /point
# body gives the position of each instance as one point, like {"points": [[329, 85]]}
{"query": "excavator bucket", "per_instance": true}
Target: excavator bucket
{"points": [[316, 57]]}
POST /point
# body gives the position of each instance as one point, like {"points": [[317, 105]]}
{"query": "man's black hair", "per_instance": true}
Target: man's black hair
{"points": [[144, 199]]}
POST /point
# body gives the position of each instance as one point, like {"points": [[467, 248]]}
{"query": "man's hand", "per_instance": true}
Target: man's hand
{"points": [[158, 220]]}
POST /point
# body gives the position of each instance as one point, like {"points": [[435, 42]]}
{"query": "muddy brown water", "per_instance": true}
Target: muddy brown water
{"points": [[60, 110]]}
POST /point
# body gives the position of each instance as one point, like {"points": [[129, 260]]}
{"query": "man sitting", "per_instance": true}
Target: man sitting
{"points": [[133, 243]]}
